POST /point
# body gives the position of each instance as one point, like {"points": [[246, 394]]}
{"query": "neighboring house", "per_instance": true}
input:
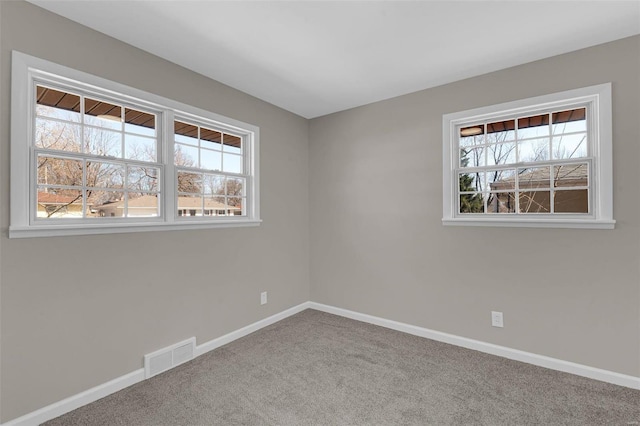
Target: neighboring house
{"points": [[54, 205], [147, 205], [534, 191]]}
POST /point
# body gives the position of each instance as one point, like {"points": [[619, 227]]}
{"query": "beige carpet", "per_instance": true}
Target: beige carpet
{"points": [[319, 369]]}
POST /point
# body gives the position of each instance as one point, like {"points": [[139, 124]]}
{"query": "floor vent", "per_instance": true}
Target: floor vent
{"points": [[166, 358]]}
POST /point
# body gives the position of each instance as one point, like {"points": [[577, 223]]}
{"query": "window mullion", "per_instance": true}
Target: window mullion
{"points": [[170, 177]]}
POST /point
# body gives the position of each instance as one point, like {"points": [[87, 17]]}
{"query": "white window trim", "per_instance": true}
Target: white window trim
{"points": [[599, 96], [25, 67]]}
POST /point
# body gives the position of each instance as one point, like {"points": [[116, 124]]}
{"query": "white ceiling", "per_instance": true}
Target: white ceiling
{"points": [[318, 57]]}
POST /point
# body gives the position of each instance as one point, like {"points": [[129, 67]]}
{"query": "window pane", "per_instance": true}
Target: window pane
{"points": [[213, 184], [500, 180], [533, 150], [217, 206], [472, 157], [569, 121], [105, 175], [189, 182], [140, 148], [141, 204], [141, 123], [185, 133], [102, 142], [570, 146], [535, 202], [501, 131], [534, 177], [51, 134], [232, 163], [210, 139], [143, 178], [236, 206], [235, 186], [502, 153], [533, 127], [501, 202], [102, 114], [57, 104], [232, 144], [186, 156], [190, 205], [571, 175], [58, 203], [105, 203], [576, 201], [471, 203], [472, 135], [59, 171], [471, 182], [210, 160]]}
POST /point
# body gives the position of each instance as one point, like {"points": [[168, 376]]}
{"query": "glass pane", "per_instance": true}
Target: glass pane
{"points": [[534, 177], [569, 121], [533, 127], [570, 146], [141, 123], [51, 134], [57, 104], [213, 184], [472, 157], [502, 153], [501, 131], [190, 205], [210, 139], [471, 203], [186, 156], [59, 171], [571, 175], [186, 133], [57, 203], [232, 163], [235, 206], [189, 182], [501, 202], [210, 160], [102, 114], [143, 178], [140, 204], [235, 186], [471, 182], [500, 180], [105, 203], [105, 175], [535, 202], [533, 150], [140, 148], [232, 144], [102, 142], [576, 201], [217, 206]]}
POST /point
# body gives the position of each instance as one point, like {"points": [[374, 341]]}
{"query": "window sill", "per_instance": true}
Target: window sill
{"points": [[64, 230], [531, 223]]}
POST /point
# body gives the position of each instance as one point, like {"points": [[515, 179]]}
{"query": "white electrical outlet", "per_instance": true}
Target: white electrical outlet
{"points": [[496, 319], [263, 298]]}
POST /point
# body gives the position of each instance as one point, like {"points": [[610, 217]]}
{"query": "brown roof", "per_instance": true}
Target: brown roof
{"points": [[151, 201], [575, 174], [48, 198]]}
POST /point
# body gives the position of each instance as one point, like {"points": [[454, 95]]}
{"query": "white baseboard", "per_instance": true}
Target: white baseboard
{"points": [[69, 404], [83, 398], [515, 354]]}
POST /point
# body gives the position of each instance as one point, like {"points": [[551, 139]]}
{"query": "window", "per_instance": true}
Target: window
{"points": [[543, 162], [92, 156]]}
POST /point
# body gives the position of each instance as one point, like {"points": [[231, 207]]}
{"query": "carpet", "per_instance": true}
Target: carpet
{"points": [[315, 368]]}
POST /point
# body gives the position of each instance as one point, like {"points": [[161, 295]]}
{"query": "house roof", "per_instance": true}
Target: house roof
{"points": [[186, 203], [569, 175], [55, 199]]}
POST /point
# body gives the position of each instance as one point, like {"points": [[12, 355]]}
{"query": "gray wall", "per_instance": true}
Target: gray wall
{"points": [[79, 311], [378, 245]]}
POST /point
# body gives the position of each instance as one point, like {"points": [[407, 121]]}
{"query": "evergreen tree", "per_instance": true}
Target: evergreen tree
{"points": [[469, 203]]}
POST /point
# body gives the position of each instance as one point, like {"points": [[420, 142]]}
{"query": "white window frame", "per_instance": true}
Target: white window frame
{"points": [[26, 70], [598, 101]]}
